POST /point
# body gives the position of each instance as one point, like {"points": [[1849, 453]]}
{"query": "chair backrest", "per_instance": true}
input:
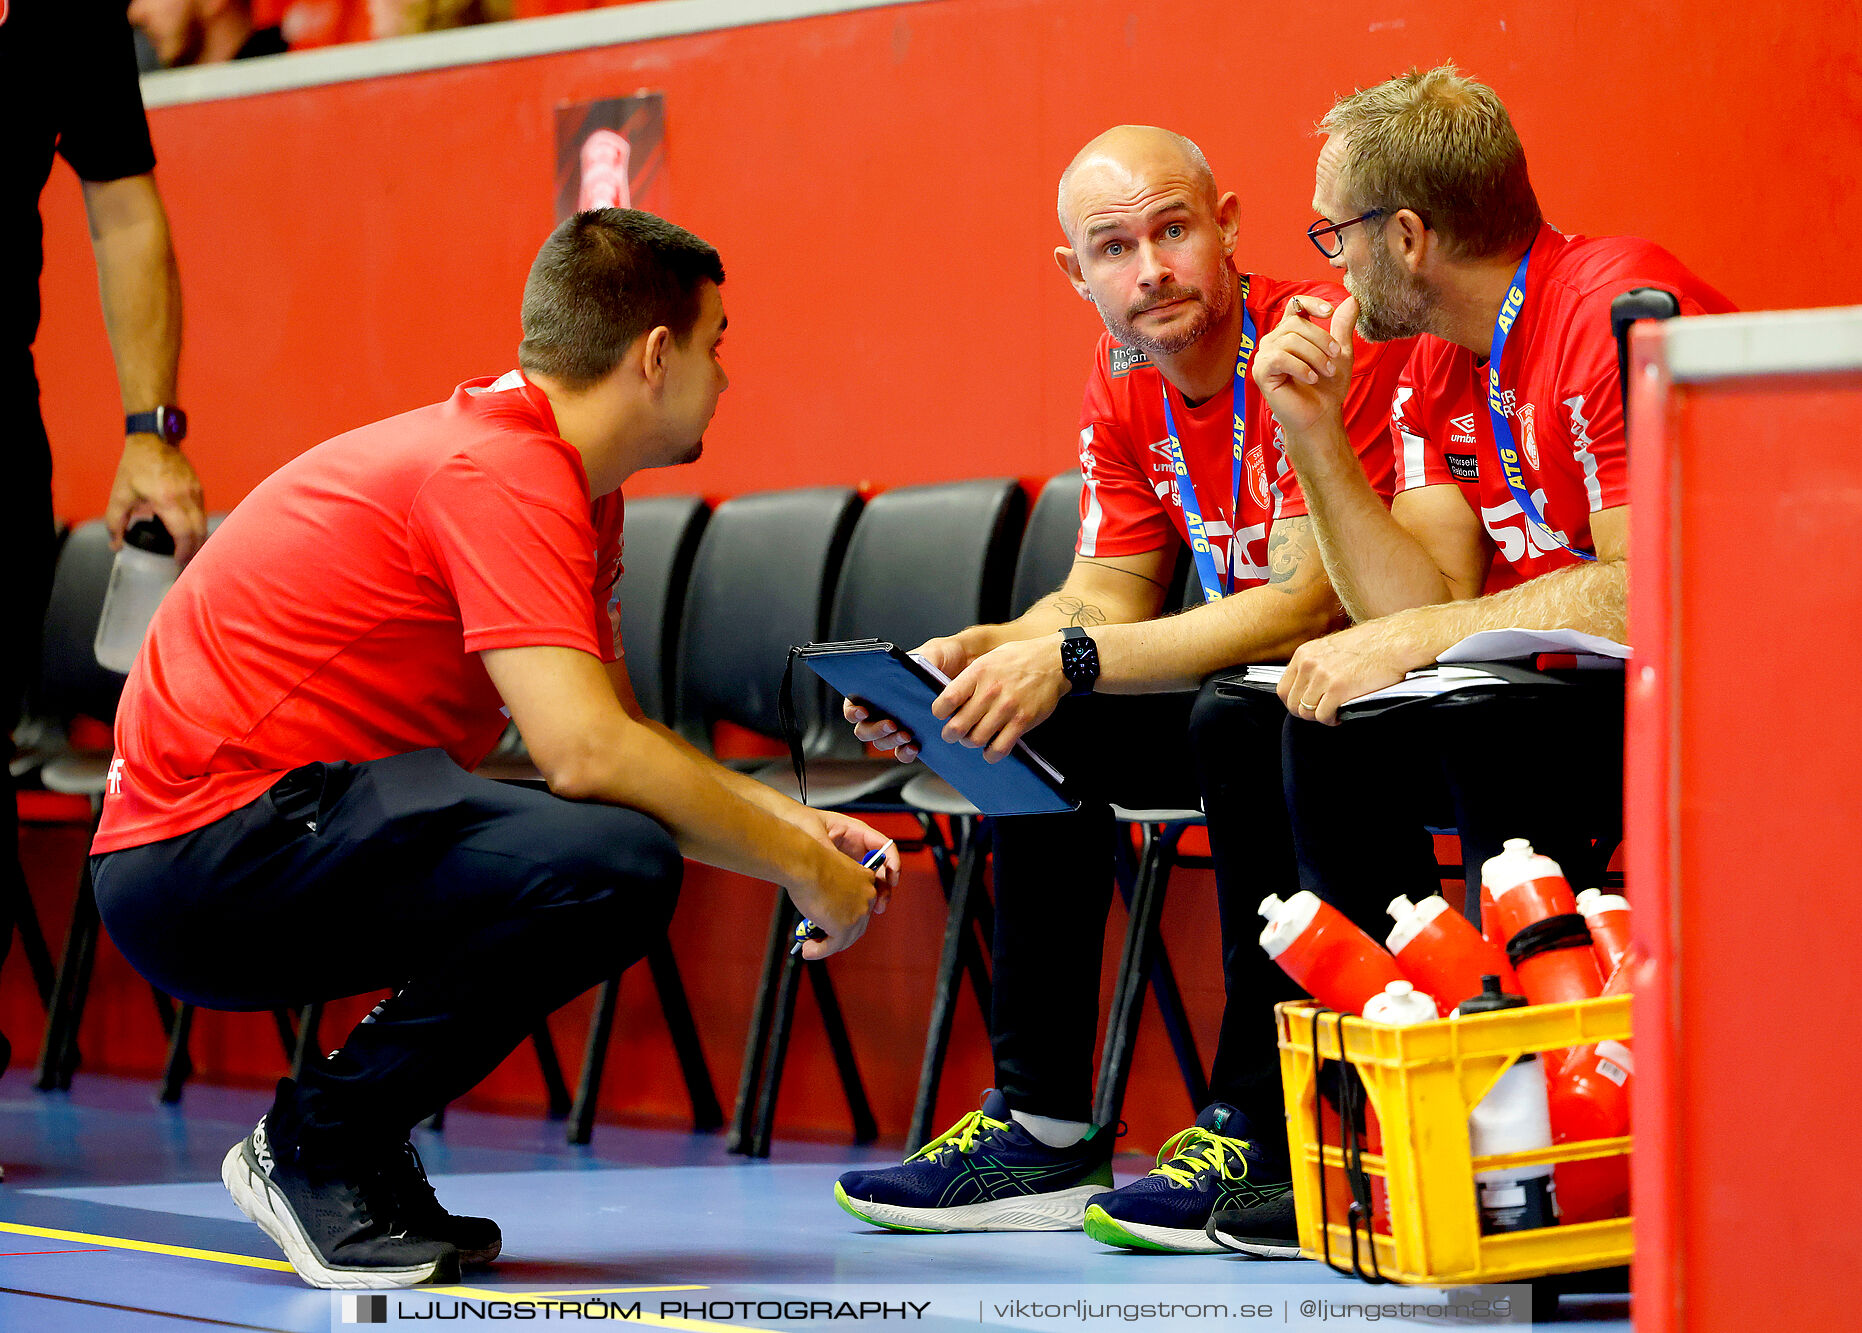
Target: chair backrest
{"points": [[661, 540], [925, 561], [760, 582], [71, 683], [1046, 556], [930, 560]]}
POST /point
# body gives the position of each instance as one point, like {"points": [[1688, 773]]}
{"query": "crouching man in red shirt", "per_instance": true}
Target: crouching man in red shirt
{"points": [[291, 816]]}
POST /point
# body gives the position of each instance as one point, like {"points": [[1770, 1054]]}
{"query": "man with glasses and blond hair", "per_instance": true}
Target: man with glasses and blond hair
{"points": [[1172, 442], [1511, 504]]}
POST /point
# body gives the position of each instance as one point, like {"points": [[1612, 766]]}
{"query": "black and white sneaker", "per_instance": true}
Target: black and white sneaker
{"points": [[336, 1231], [410, 1201], [1267, 1230]]}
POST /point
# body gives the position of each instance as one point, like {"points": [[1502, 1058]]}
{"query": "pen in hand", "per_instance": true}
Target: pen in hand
{"points": [[806, 930]]}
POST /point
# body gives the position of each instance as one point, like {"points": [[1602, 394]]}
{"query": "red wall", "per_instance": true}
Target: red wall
{"points": [[881, 186]]}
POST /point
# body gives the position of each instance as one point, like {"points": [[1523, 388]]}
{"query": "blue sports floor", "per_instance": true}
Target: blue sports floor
{"points": [[112, 1217]]}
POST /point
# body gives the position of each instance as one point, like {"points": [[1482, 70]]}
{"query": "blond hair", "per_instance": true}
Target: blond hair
{"points": [[1440, 144]]}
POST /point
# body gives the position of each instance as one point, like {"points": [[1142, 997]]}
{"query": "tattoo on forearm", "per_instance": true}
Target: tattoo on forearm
{"points": [[1286, 555], [1077, 611]]}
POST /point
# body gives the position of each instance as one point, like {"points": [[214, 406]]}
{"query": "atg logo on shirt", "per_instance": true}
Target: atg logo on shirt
{"points": [[1121, 361]]}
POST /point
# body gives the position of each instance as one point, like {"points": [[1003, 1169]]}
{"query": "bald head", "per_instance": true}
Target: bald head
{"points": [[1127, 155]]}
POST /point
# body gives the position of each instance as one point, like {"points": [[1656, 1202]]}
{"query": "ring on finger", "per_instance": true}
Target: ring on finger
{"points": [[1306, 707]]}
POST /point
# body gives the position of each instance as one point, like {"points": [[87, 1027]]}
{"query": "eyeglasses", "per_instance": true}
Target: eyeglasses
{"points": [[1325, 235]]}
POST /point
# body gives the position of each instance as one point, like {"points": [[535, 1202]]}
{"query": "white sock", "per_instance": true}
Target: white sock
{"points": [[1054, 1133]]}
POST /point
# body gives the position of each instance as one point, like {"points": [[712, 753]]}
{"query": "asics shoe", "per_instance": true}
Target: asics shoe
{"points": [[986, 1174], [1211, 1167]]}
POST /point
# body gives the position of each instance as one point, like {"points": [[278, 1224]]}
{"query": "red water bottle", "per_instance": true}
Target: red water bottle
{"points": [[1607, 915], [1336, 963], [1589, 1099], [1490, 925], [1441, 952], [1546, 940]]}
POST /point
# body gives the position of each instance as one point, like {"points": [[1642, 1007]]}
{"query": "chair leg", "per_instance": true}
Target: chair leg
{"points": [[865, 1127], [707, 1115], [555, 1088], [309, 1019], [782, 1021], [58, 1054], [1135, 962], [957, 932], [767, 1049], [24, 918], [594, 1060], [1170, 1007], [178, 1066], [762, 1018], [287, 1033]]}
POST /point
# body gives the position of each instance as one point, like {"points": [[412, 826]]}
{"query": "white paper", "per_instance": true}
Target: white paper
{"points": [[1423, 684], [1502, 645]]}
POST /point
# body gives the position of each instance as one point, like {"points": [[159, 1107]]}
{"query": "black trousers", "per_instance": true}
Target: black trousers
{"points": [[27, 550], [483, 906], [1541, 762], [26, 540], [1054, 889]]}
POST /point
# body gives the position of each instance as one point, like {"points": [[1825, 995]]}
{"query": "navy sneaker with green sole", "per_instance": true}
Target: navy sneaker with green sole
{"points": [[1213, 1166], [986, 1173]]}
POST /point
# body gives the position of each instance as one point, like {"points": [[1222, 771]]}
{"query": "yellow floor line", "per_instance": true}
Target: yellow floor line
{"points": [[149, 1247], [469, 1293]]}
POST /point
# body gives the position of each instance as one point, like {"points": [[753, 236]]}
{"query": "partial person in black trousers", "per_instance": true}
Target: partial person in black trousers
{"points": [[290, 816], [68, 88], [1175, 449]]}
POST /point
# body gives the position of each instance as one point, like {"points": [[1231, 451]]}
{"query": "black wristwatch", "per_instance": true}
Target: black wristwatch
{"points": [[168, 422], [1079, 660]]}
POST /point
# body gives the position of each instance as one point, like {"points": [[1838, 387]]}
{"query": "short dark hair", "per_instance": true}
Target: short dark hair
{"points": [[603, 279]]}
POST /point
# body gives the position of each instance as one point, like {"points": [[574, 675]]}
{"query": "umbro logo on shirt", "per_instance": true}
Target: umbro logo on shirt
{"points": [[1463, 428]]}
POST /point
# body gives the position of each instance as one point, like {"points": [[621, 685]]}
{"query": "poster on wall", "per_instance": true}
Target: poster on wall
{"points": [[611, 154]]}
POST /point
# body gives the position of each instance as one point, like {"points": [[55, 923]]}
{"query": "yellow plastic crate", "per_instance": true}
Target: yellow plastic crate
{"points": [[1422, 1081]]}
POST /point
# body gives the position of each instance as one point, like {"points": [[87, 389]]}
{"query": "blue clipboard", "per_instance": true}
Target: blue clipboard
{"points": [[887, 680]]}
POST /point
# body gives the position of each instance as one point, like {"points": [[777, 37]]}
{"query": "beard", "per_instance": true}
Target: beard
{"points": [[1210, 310], [1392, 303]]}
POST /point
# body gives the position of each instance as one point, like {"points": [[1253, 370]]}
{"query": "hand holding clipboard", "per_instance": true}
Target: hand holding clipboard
{"points": [[889, 684]]}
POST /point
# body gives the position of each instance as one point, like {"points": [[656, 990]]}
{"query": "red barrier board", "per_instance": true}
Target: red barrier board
{"points": [[1742, 810]]}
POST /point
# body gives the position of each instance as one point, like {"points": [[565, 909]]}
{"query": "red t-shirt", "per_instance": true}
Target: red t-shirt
{"points": [[339, 611], [1560, 389], [1130, 502]]}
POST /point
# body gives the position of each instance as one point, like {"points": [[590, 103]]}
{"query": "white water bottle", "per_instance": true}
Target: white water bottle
{"points": [[141, 576], [1400, 1004], [1514, 1116]]}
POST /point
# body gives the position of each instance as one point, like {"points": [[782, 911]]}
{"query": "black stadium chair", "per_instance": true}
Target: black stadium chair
{"points": [[761, 582], [923, 561], [662, 539]]}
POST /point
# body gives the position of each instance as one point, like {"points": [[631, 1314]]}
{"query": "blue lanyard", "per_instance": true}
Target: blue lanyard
{"points": [[1503, 440], [1214, 587]]}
